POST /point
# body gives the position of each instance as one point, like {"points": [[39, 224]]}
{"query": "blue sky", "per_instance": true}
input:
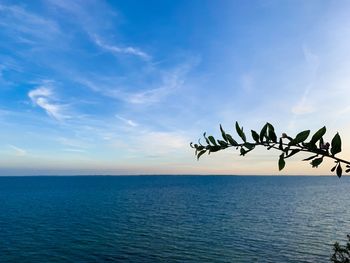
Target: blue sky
{"points": [[122, 87]]}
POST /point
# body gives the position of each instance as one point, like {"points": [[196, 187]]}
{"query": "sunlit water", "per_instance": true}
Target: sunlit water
{"points": [[172, 218]]}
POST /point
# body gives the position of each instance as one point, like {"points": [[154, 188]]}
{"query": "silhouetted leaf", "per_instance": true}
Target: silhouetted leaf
{"points": [[320, 144], [271, 133], [249, 146], [214, 148], [333, 169], [316, 162], [255, 136], [222, 143], [212, 140], [336, 144], [281, 162], [223, 134], [347, 170], [231, 140], [240, 132], [200, 154], [243, 151], [339, 170], [199, 147], [302, 136], [263, 132], [310, 146], [318, 135]]}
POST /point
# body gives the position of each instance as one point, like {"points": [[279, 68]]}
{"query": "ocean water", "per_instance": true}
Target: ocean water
{"points": [[172, 218]]}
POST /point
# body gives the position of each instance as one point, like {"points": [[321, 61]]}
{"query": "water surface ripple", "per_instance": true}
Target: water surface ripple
{"points": [[172, 218]]}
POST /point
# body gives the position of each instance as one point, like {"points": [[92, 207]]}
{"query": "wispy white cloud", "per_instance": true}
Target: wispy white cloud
{"points": [[166, 82], [117, 50], [26, 26], [18, 151], [44, 97], [144, 97], [90, 15], [127, 121]]}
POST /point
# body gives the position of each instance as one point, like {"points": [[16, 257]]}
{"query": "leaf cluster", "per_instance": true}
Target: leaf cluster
{"points": [[288, 146], [341, 253]]}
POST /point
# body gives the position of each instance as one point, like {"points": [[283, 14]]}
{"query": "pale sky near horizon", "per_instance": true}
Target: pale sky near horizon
{"points": [[123, 87]]}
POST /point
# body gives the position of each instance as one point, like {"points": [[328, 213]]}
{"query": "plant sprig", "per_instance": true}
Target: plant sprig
{"points": [[287, 145]]}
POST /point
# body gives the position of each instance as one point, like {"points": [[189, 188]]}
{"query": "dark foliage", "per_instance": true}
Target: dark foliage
{"points": [[341, 253], [289, 146]]}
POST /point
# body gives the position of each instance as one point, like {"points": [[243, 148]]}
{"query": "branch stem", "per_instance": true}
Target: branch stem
{"points": [[299, 147]]}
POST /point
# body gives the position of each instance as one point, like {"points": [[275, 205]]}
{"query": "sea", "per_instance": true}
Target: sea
{"points": [[172, 218]]}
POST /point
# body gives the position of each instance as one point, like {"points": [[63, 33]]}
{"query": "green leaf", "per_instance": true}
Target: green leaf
{"points": [[316, 162], [310, 146], [199, 147], [222, 143], [271, 133], [336, 144], [339, 170], [302, 136], [223, 134], [281, 162], [255, 136], [240, 132], [310, 158], [212, 140], [263, 132], [249, 146], [231, 140], [333, 169], [214, 148], [200, 154], [294, 151], [318, 135], [321, 142]]}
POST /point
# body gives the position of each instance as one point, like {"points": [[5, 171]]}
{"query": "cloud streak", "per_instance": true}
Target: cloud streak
{"points": [[18, 151], [43, 97], [166, 82], [117, 50], [25, 26], [127, 121]]}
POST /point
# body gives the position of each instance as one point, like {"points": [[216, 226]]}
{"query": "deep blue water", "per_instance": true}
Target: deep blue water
{"points": [[172, 218]]}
